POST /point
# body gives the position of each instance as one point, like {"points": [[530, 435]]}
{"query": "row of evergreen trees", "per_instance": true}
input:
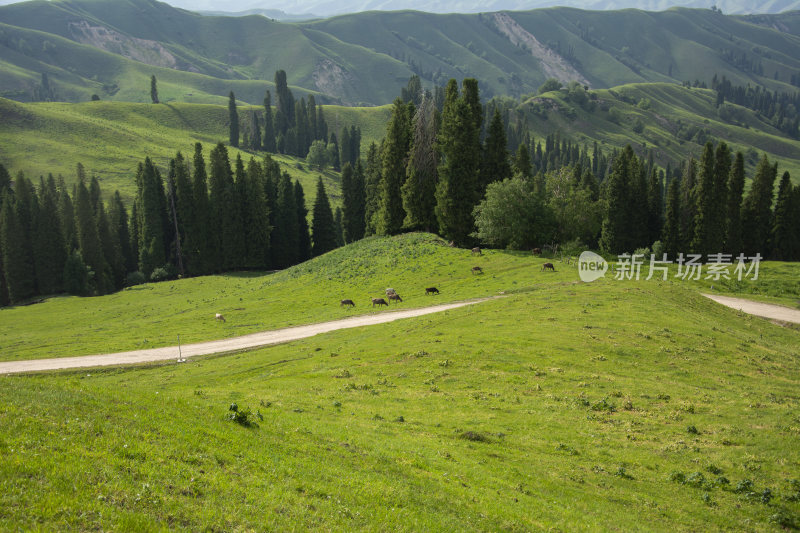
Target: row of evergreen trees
{"points": [[203, 218], [782, 109]]}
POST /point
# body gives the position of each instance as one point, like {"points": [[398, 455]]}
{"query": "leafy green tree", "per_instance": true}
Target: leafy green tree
{"points": [[391, 214], [153, 89], [318, 155], [575, 214], [268, 140], [550, 84], [233, 118], [419, 190], [412, 92], [303, 235], [495, 165], [512, 216], [323, 228]]}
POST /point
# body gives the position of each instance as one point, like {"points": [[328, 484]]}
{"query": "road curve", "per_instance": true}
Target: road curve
{"points": [[775, 312], [252, 340]]}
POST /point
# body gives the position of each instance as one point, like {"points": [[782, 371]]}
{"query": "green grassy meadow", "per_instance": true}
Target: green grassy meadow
{"points": [[610, 405]]}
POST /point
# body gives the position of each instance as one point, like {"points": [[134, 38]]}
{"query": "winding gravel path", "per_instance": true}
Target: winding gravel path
{"points": [[253, 340], [775, 312]]}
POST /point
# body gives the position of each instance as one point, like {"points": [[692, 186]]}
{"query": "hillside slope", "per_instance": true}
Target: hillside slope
{"points": [[364, 58]]}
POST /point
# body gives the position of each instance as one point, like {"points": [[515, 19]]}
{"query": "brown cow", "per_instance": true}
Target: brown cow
{"points": [[476, 251], [537, 251], [477, 270], [351, 303], [395, 296], [220, 317], [378, 301], [548, 266], [431, 290]]}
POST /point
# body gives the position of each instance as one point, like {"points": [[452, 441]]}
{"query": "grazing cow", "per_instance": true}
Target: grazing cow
{"points": [[431, 290], [537, 251], [395, 296], [548, 266], [379, 302], [351, 303], [220, 317], [476, 251], [390, 291], [477, 270]]}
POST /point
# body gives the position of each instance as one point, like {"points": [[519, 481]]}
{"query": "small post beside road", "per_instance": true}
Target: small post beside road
{"points": [[181, 359]]}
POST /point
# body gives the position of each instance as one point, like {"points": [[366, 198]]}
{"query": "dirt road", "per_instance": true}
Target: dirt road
{"points": [[775, 312], [253, 340]]}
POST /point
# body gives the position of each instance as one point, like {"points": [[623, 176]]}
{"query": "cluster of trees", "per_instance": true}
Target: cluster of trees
{"points": [[200, 220], [291, 129], [782, 109], [336, 153]]}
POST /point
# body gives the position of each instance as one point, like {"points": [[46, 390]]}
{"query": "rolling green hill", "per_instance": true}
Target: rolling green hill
{"points": [[111, 48], [546, 409]]}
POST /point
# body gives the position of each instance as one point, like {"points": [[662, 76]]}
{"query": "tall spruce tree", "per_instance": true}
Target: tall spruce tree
{"points": [[733, 229], [333, 149], [419, 189], [784, 235], [757, 210], [255, 129], [458, 190], [268, 139], [672, 223], [722, 173], [256, 217], [272, 176], [372, 180], [20, 281], [617, 231], [323, 229], [688, 205], [118, 220], [285, 236], [66, 214], [338, 226], [654, 207], [152, 216], [495, 165], [50, 253], [202, 253], [344, 147], [391, 214], [322, 125], [284, 117], [89, 240], [112, 251], [153, 89], [233, 119], [303, 235], [522, 162]]}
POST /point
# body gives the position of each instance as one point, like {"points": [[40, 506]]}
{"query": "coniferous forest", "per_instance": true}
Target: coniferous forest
{"points": [[447, 164]]}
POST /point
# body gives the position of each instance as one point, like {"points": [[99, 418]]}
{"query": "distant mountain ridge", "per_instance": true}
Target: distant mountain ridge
{"points": [[111, 48]]}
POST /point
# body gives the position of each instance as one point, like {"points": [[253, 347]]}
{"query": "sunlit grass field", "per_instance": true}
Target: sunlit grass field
{"points": [[614, 405]]}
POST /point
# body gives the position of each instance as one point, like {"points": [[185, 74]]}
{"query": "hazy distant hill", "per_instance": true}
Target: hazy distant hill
{"points": [[110, 48]]}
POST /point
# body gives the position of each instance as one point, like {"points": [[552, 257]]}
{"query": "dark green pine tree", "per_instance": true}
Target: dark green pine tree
{"points": [[688, 205], [391, 214], [118, 220], [26, 205], [322, 125], [284, 238], [301, 128], [66, 214], [303, 235], [256, 217], [654, 207], [457, 191], [495, 166], [313, 133], [353, 202], [372, 181], [152, 215], [184, 212], [344, 147], [255, 128], [203, 246], [722, 172], [419, 190], [348, 204], [284, 116], [339, 227], [135, 243], [672, 223], [220, 178], [77, 275], [153, 89], [20, 281], [233, 118], [95, 194], [522, 162], [784, 235], [616, 232], [268, 140], [5, 179], [234, 249], [733, 229], [355, 144], [757, 210], [49, 251], [323, 228], [112, 251], [272, 176], [336, 162], [704, 219], [88, 239]]}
